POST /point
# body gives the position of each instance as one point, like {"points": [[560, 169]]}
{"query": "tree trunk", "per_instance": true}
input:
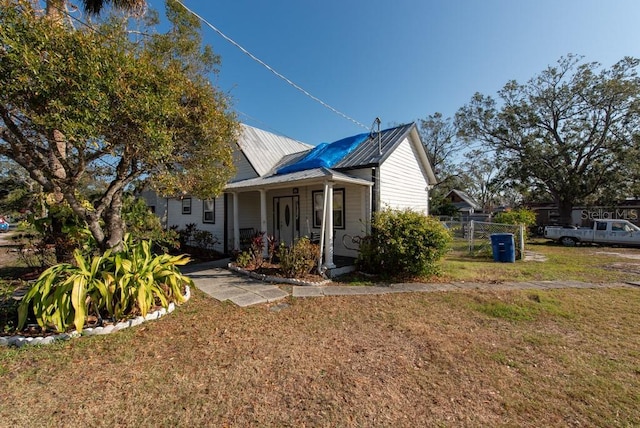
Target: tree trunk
{"points": [[114, 223], [57, 151], [565, 209]]}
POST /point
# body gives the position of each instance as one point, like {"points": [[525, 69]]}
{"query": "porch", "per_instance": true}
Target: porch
{"points": [[321, 204]]}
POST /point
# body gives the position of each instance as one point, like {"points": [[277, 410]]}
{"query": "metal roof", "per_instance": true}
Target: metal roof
{"points": [[309, 176], [264, 150], [256, 145], [371, 152], [375, 149]]}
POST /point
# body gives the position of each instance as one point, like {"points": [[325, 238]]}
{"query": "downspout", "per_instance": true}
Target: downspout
{"points": [[323, 225], [375, 190]]}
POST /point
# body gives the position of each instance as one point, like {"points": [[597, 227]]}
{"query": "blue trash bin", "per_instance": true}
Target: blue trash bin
{"points": [[503, 246]]}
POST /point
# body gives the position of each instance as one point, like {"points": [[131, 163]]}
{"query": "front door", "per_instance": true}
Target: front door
{"points": [[287, 218]]}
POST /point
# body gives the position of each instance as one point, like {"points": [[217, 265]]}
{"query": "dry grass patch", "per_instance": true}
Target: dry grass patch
{"points": [[583, 263], [434, 359]]}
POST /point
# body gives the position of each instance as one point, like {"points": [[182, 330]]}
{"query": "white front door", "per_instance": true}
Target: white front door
{"points": [[287, 218]]}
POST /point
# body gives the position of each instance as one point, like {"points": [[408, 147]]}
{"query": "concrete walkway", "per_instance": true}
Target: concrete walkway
{"points": [[214, 279]]}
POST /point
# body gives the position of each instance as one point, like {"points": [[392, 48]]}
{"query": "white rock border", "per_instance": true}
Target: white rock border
{"points": [[20, 341], [274, 279]]}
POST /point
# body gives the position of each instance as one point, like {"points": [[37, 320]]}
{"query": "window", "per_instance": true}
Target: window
{"points": [[208, 211], [338, 208], [186, 206]]}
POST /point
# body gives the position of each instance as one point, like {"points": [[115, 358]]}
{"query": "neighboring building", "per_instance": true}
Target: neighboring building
{"points": [[282, 185], [465, 204], [628, 209]]}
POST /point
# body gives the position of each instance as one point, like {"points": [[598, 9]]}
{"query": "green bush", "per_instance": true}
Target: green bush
{"points": [[299, 259], [519, 216], [143, 225], [243, 259], [403, 243], [522, 216], [113, 285]]}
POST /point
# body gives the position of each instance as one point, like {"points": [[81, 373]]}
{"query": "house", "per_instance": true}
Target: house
{"points": [[465, 204], [289, 189]]}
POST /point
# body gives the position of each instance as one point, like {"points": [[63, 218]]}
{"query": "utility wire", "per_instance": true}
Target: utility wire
{"points": [[259, 61]]}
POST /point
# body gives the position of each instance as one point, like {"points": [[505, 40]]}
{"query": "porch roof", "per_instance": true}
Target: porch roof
{"points": [[299, 178]]}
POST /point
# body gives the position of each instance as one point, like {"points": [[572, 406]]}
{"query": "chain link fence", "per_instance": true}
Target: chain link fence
{"points": [[478, 235]]}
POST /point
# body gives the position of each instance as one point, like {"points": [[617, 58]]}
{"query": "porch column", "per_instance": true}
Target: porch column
{"points": [[236, 224], [328, 227], [263, 221]]}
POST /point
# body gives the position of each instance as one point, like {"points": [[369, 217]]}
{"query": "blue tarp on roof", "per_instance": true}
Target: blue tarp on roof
{"points": [[325, 155]]}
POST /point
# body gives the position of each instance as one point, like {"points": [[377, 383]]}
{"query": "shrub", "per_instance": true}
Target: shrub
{"points": [[299, 259], [186, 235], [403, 243], [204, 239], [256, 249], [519, 216], [243, 259], [522, 216], [114, 285], [143, 225]]}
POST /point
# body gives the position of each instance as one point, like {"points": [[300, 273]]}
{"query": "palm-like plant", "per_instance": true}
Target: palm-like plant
{"points": [[95, 6], [116, 285], [55, 8]]}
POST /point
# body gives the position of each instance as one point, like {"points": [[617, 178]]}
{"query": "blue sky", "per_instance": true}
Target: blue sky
{"points": [[399, 60]]}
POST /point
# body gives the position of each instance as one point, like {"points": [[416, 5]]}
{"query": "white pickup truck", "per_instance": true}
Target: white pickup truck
{"points": [[605, 231]]}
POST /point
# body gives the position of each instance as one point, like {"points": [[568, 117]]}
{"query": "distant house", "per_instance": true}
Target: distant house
{"points": [[465, 204], [282, 187]]}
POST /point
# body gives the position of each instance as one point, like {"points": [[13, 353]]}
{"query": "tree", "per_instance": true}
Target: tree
{"points": [[18, 193], [141, 109], [439, 138], [568, 131], [55, 9], [96, 6], [479, 173]]}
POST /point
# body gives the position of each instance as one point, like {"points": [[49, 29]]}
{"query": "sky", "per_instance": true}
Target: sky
{"points": [[399, 60]]}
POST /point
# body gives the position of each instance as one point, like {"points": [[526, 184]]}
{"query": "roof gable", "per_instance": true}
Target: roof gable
{"points": [[265, 150], [376, 148], [463, 198]]}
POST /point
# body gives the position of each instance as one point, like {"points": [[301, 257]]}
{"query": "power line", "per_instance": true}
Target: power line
{"points": [[259, 61]]}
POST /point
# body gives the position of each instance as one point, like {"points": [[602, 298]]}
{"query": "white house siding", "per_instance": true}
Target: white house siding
{"points": [[244, 170], [355, 216], [175, 218], [363, 173], [248, 215], [356, 221], [403, 183], [157, 203]]}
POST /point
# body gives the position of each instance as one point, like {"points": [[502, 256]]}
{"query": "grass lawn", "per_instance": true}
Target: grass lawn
{"points": [[533, 358]]}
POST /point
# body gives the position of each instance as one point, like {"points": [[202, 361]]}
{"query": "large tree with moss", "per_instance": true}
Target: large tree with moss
{"points": [[569, 132], [93, 98]]}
